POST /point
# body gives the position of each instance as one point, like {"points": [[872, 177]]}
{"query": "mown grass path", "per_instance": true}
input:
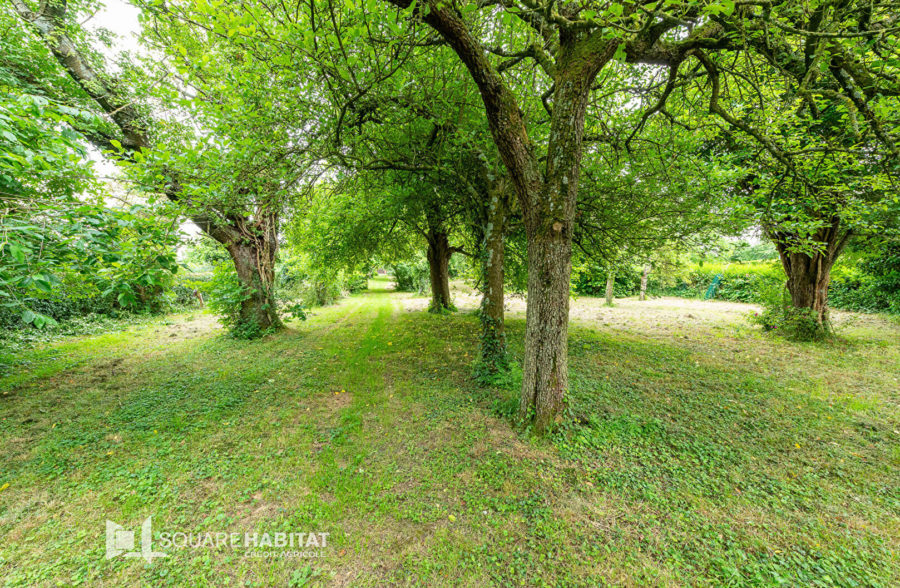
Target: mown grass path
{"points": [[707, 460]]}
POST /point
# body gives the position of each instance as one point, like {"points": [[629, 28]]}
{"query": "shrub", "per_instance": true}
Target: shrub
{"points": [[357, 283], [411, 276], [590, 280], [226, 295], [871, 283], [779, 316], [298, 281]]}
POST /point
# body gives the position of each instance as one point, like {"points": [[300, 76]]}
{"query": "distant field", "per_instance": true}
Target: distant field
{"points": [[695, 451]]}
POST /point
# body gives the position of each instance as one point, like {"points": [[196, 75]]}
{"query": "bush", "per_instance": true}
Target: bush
{"points": [[357, 283], [298, 281], [226, 295], [871, 283], [590, 280], [411, 276], [779, 316], [737, 282]]}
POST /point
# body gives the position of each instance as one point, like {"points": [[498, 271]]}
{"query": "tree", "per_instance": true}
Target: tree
{"points": [[571, 44], [241, 210], [58, 238], [808, 110]]}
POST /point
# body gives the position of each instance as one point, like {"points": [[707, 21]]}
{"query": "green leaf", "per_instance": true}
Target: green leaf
{"points": [[18, 253], [42, 282]]}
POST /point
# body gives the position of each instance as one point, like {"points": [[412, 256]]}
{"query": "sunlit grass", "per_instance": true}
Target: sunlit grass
{"points": [[693, 452]]}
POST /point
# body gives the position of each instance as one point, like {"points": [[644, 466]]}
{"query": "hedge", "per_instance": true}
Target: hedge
{"points": [[854, 286]]}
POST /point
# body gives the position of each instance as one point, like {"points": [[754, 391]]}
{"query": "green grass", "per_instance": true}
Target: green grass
{"points": [[691, 454]]}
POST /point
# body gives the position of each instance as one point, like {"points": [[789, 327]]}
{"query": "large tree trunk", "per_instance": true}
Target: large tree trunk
{"points": [[808, 276], [610, 287], [549, 220], [493, 332], [252, 245], [644, 275], [808, 284], [545, 377], [439, 252], [255, 267]]}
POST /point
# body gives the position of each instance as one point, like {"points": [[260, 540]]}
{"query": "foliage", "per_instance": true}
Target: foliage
{"points": [[297, 312], [411, 276], [737, 282], [357, 283], [300, 280], [226, 295], [589, 279], [782, 318], [64, 257], [869, 281]]}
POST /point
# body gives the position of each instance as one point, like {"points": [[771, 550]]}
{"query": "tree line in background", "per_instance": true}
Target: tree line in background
{"points": [[532, 138]]}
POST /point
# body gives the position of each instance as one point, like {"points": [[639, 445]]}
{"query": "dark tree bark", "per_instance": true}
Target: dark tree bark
{"points": [[439, 253], [644, 275], [493, 331], [809, 275]]}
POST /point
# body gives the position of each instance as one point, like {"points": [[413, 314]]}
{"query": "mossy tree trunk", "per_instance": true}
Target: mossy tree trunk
{"points": [[549, 220], [645, 273], [493, 331], [809, 273], [252, 247], [610, 287], [439, 253]]}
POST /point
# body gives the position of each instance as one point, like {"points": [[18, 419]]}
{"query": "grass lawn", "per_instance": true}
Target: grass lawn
{"points": [[696, 451]]}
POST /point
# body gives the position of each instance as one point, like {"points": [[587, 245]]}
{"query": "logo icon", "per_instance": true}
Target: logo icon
{"points": [[120, 541]]}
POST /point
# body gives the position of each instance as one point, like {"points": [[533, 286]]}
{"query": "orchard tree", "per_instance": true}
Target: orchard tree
{"points": [[810, 110], [571, 43], [233, 186]]}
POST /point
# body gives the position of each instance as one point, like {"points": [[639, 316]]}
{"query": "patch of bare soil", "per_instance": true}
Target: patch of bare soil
{"points": [[193, 326]]}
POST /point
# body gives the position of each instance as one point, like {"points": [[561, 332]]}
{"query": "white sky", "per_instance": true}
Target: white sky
{"points": [[121, 18]]}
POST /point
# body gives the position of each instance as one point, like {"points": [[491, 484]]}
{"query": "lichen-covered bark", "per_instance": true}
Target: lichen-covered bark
{"points": [[644, 275], [493, 330], [545, 377], [549, 220]]}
